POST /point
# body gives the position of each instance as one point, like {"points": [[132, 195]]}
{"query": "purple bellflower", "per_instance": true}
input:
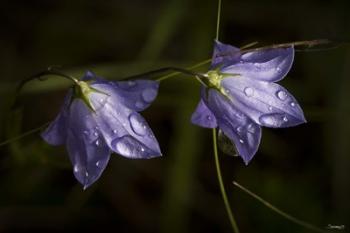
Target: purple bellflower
{"points": [[99, 117], [241, 95]]}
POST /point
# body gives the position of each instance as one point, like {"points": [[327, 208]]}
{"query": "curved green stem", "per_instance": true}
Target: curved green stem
{"points": [[218, 20], [24, 134], [280, 212], [222, 187], [188, 68]]}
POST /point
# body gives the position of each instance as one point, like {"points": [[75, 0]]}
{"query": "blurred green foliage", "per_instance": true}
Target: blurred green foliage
{"points": [[303, 170]]}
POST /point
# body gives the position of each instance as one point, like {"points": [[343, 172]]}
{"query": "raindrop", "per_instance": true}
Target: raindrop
{"points": [[272, 120], [97, 143], [95, 134], [285, 119], [76, 168], [278, 69], [114, 131], [282, 95], [292, 104], [270, 108], [137, 124], [248, 91], [128, 146], [139, 104], [131, 83], [86, 174], [241, 141], [97, 163], [251, 128], [149, 95]]}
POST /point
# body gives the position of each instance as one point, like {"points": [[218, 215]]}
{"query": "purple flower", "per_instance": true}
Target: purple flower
{"points": [[99, 117], [241, 95]]}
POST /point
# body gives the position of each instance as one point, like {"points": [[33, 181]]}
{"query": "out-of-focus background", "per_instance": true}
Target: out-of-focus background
{"points": [[303, 170]]}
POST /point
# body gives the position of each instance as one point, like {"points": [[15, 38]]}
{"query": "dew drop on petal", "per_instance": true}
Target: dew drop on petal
{"points": [[282, 95], [272, 120], [129, 147], [95, 134], [97, 143], [97, 163], [241, 141], [251, 128], [137, 124], [142, 149], [285, 119], [149, 95], [131, 83], [249, 92], [76, 168], [86, 174], [270, 108], [114, 131], [292, 104], [139, 104]]}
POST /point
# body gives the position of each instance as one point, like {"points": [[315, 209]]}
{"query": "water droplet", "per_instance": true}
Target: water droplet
{"points": [[272, 120], [270, 108], [131, 83], [95, 134], [137, 124], [248, 91], [114, 131], [97, 163], [149, 95], [241, 141], [139, 104], [97, 143], [86, 174], [278, 69], [251, 128], [76, 168], [282, 95], [129, 147], [285, 119], [292, 104]]}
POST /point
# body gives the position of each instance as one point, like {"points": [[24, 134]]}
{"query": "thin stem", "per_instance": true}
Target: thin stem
{"points": [[49, 71], [218, 20], [8, 141], [166, 69], [280, 212], [189, 68], [222, 187]]}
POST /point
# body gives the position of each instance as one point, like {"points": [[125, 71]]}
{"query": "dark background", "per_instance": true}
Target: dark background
{"points": [[303, 170]]}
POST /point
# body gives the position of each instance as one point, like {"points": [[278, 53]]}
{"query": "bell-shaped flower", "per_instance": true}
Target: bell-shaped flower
{"points": [[241, 95], [99, 117]]}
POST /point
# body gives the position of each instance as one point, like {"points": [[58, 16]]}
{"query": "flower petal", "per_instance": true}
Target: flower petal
{"points": [[203, 117], [269, 65], [86, 147], [242, 131], [267, 104], [224, 55], [126, 132], [56, 133]]}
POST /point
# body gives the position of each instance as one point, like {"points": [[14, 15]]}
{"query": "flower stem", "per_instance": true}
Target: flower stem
{"points": [[8, 141], [218, 21], [188, 68], [222, 187], [280, 212]]}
